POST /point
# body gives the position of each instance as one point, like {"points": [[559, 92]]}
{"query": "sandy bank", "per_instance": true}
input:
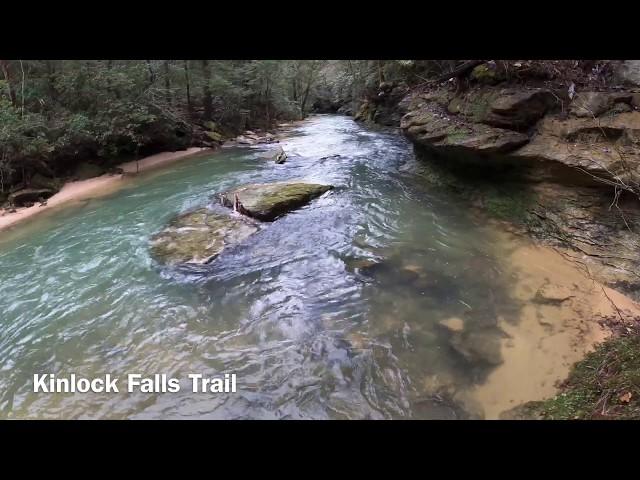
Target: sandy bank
{"points": [[540, 346], [95, 187]]}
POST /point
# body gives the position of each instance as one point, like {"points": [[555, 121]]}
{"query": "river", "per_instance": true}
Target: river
{"points": [[335, 311]]}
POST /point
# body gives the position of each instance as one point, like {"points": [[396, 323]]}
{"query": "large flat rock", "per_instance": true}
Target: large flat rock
{"points": [[268, 201], [444, 132], [200, 236], [520, 109], [605, 148]]}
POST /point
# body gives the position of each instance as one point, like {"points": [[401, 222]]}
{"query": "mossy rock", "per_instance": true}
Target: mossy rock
{"points": [[487, 74], [455, 105], [209, 125], [198, 237], [215, 136], [268, 201]]}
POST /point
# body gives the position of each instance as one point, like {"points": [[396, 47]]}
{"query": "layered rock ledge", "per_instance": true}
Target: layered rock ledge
{"points": [[567, 169]]}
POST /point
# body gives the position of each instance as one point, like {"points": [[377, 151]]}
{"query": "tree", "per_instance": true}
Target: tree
{"points": [[206, 91]]}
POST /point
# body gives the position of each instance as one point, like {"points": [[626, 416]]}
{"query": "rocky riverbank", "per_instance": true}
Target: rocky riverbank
{"points": [[562, 164], [558, 158]]}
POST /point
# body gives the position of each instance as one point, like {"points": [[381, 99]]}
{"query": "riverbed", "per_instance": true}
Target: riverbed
{"points": [[382, 299]]}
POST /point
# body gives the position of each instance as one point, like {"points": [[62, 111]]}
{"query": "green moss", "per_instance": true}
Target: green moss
{"points": [[215, 136], [456, 137], [487, 75], [268, 201], [212, 126], [606, 384], [479, 106]]}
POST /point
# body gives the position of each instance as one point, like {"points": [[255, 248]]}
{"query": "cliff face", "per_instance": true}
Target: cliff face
{"points": [[563, 163]]}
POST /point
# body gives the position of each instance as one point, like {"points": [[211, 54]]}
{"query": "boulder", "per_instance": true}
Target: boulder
{"points": [[211, 126], [215, 136], [268, 201], [198, 237], [488, 74], [520, 109], [346, 109], [28, 196], [280, 157], [594, 104]]}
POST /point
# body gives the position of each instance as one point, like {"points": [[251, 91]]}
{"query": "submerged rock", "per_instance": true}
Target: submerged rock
{"points": [[478, 347], [268, 201], [200, 236], [453, 324], [552, 294]]}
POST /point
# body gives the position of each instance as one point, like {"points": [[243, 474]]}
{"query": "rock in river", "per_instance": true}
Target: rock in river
{"points": [[199, 236], [268, 201]]}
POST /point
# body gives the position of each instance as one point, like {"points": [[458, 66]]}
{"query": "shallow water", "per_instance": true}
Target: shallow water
{"points": [[311, 327]]}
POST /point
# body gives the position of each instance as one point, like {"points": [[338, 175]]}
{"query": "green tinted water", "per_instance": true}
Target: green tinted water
{"points": [[309, 333]]}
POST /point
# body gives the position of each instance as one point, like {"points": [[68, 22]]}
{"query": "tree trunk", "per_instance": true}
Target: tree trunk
{"points": [[304, 98], [380, 72], [206, 90], [459, 71], [167, 82], [152, 75], [51, 80], [186, 77], [4, 64]]}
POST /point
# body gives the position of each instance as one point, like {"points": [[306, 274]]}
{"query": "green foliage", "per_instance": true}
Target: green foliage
{"points": [[63, 112]]}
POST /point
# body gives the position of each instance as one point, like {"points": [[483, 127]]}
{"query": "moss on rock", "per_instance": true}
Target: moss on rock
{"points": [[269, 201], [199, 237]]}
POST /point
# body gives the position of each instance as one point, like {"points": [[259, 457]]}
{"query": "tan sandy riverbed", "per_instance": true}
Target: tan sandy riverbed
{"points": [[541, 345], [95, 187]]}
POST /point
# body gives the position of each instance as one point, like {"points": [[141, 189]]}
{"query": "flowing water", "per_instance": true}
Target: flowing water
{"points": [[332, 311]]}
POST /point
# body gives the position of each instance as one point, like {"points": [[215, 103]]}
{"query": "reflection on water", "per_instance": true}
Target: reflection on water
{"points": [[379, 300]]}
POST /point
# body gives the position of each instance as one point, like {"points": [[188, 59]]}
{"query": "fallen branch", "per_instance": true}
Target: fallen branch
{"points": [[459, 71]]}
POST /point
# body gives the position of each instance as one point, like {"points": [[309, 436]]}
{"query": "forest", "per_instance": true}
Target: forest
{"points": [[56, 114]]}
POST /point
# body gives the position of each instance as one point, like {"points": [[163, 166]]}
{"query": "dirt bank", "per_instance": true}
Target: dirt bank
{"points": [[95, 187]]}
